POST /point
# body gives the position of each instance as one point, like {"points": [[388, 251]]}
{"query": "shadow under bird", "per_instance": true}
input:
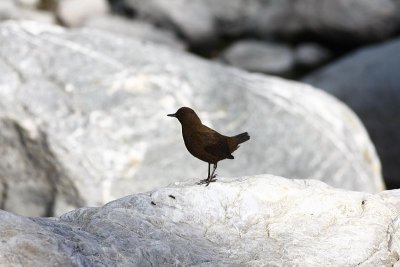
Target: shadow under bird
{"points": [[206, 144]]}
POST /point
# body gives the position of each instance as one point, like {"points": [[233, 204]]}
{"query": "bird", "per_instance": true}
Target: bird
{"points": [[205, 143]]}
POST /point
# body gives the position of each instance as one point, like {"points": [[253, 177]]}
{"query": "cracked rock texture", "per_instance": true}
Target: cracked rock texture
{"points": [[250, 221], [101, 101]]}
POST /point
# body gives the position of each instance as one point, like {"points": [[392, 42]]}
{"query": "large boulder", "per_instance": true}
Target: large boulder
{"points": [[101, 100], [249, 221], [368, 81], [342, 21]]}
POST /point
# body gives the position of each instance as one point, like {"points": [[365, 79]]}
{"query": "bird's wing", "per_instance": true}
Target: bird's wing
{"points": [[215, 144]]}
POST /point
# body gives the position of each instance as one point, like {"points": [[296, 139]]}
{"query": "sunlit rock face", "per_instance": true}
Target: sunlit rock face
{"points": [[101, 101], [248, 221], [368, 81]]}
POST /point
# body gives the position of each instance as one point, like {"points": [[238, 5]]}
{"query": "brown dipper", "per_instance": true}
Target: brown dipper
{"points": [[204, 143]]}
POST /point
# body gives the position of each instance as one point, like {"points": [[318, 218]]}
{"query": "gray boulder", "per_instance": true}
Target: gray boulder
{"points": [[249, 221], [101, 100], [136, 29], [260, 56], [339, 20], [368, 81]]}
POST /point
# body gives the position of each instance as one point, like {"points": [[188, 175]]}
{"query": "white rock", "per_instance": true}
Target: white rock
{"points": [[73, 13], [250, 221], [101, 100]]}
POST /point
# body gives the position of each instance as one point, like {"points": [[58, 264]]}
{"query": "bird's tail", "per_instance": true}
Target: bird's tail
{"points": [[243, 137]]}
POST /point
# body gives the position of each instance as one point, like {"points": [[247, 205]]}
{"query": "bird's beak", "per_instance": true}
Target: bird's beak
{"points": [[171, 115]]}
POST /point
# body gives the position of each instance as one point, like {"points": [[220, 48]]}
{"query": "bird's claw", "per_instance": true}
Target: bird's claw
{"points": [[208, 181]]}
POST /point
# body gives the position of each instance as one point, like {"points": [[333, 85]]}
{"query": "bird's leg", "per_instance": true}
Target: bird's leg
{"points": [[213, 175], [208, 177]]}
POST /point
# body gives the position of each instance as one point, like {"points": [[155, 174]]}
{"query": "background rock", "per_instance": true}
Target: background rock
{"points": [[136, 29], [251, 221], [73, 13], [38, 16], [260, 56], [8, 9], [369, 82], [102, 102], [330, 20], [31, 182], [15, 10], [311, 55], [32, 4]]}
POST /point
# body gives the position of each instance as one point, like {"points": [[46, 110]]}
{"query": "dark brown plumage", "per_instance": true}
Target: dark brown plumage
{"points": [[204, 143]]}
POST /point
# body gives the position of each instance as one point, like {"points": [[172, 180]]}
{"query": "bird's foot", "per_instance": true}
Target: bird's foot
{"points": [[207, 181]]}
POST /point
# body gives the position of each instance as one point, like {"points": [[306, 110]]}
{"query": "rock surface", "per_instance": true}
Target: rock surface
{"points": [[250, 221], [369, 82], [338, 20], [136, 29], [101, 100], [260, 56]]}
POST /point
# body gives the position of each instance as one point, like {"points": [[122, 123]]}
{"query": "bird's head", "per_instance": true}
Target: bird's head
{"points": [[186, 115]]}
